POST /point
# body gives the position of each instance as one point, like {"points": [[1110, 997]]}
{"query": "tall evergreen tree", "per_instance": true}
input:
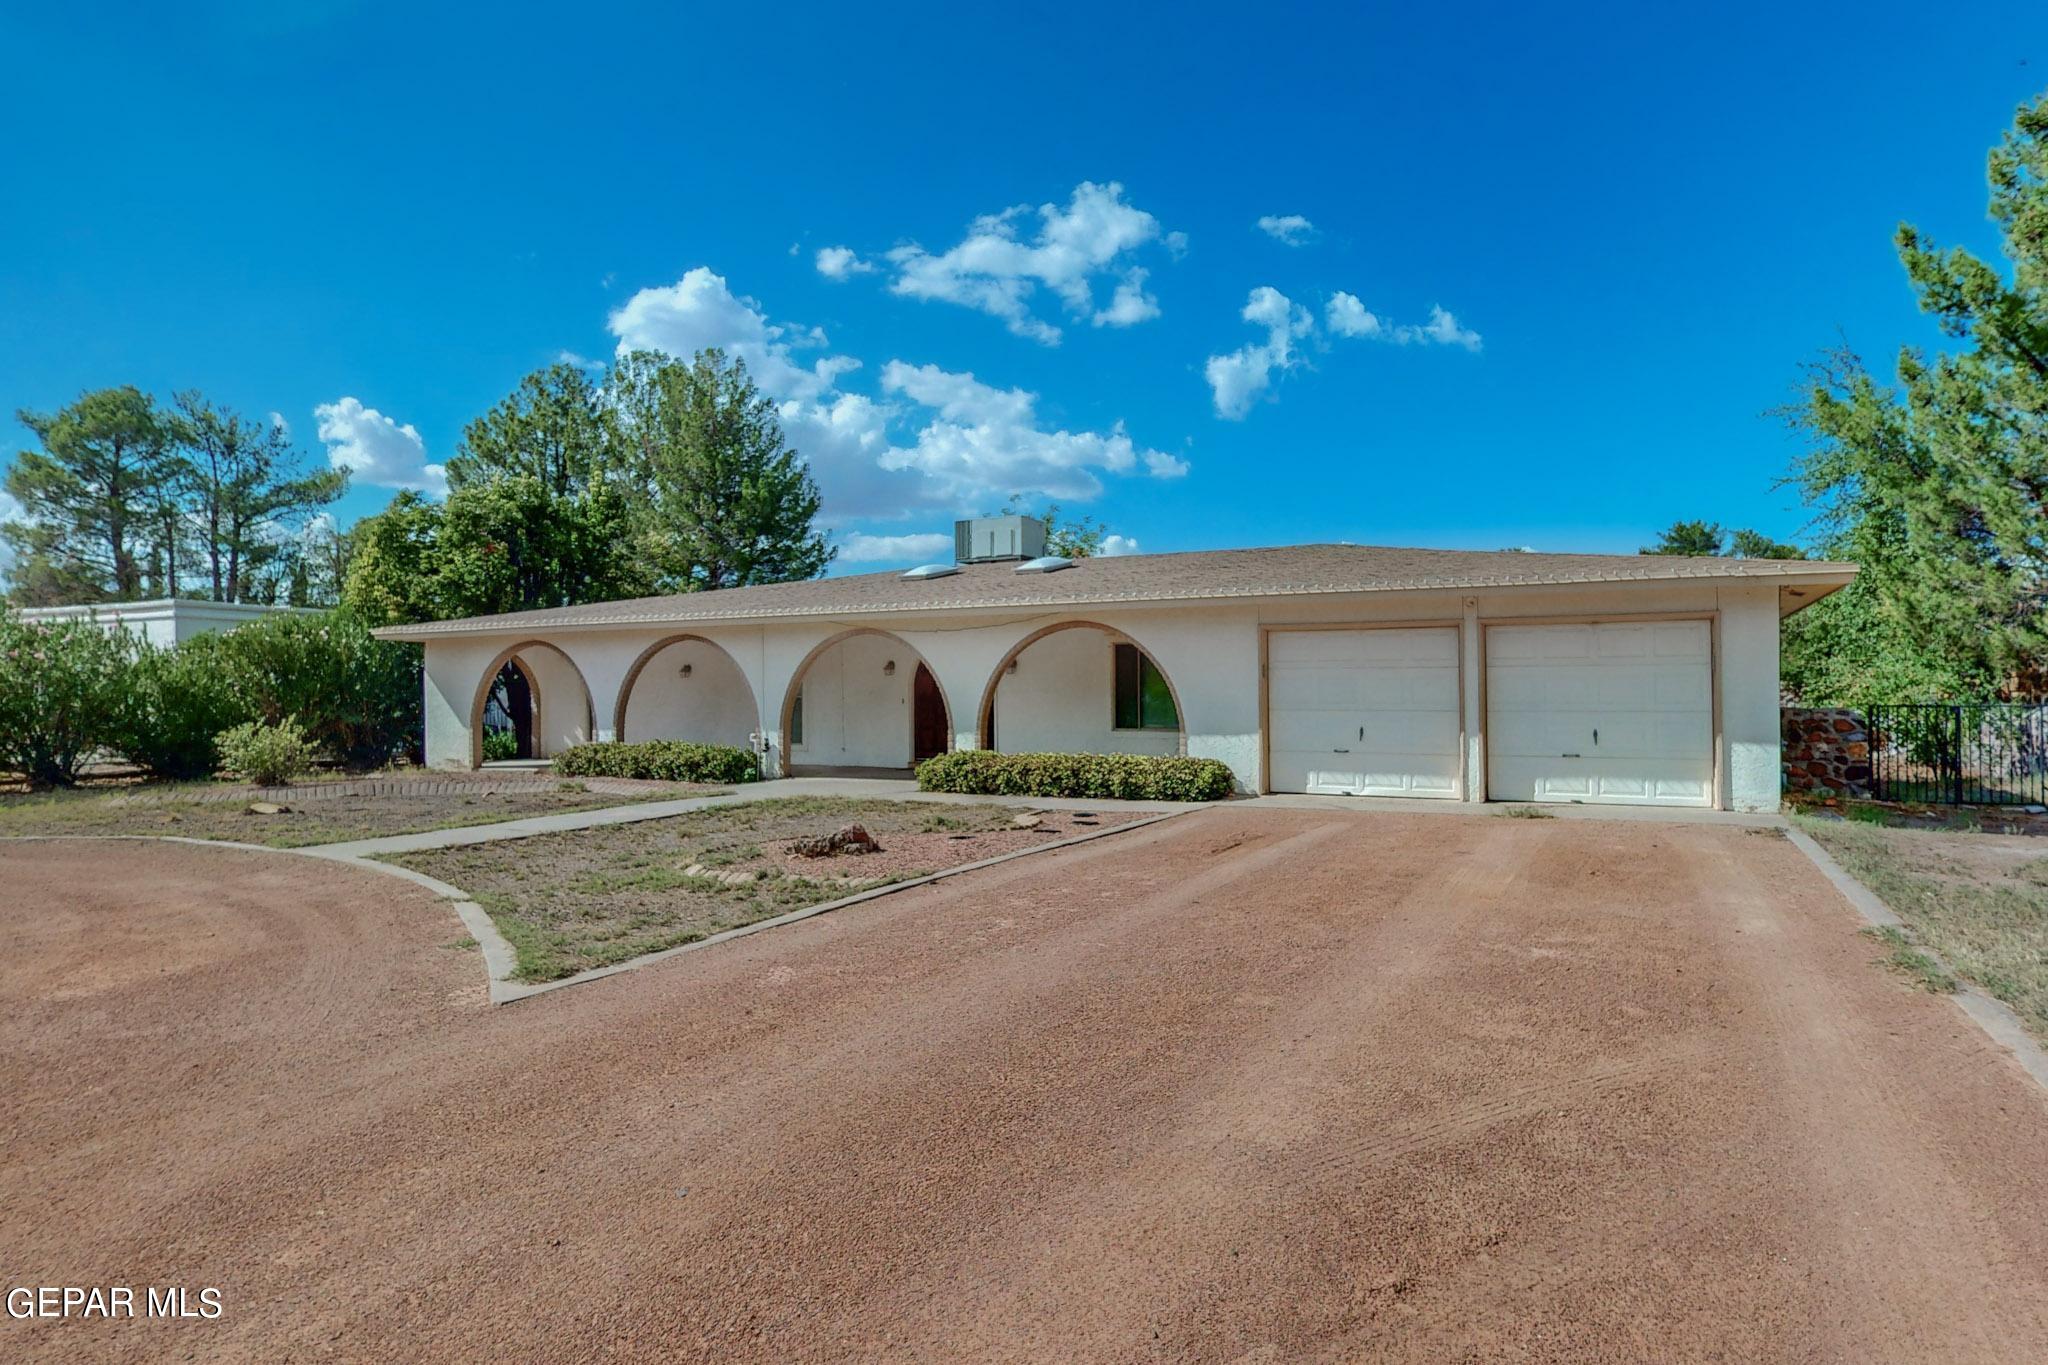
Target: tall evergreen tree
{"points": [[244, 490], [557, 428], [729, 502], [1939, 486], [91, 496]]}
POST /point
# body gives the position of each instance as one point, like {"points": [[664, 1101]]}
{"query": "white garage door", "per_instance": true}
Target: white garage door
{"points": [[1614, 714], [1363, 712]]}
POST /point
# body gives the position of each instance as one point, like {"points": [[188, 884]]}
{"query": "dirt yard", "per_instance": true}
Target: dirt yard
{"points": [[322, 811], [1248, 1084], [593, 897]]}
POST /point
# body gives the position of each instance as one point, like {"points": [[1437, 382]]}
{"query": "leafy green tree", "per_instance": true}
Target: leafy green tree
{"points": [[510, 544], [61, 694], [1688, 538], [1938, 485], [393, 572], [91, 493], [244, 488], [729, 502], [1068, 537], [557, 427]]}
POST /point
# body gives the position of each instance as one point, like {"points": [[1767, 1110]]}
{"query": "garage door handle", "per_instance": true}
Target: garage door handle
{"points": [[1567, 755], [1596, 739], [1361, 734], [1340, 751]]}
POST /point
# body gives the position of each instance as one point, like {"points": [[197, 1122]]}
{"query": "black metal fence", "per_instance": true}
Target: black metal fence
{"points": [[1972, 753]]}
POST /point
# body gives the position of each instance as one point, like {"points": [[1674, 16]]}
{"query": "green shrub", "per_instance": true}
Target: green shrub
{"points": [[61, 685], [175, 704], [356, 697], [664, 760], [1098, 777], [500, 745], [268, 755]]}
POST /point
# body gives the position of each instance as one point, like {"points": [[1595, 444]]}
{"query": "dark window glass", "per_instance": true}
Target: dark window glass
{"points": [[1143, 700], [796, 720]]}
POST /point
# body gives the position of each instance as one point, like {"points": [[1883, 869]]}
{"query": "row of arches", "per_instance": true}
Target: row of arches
{"points": [[863, 699]]}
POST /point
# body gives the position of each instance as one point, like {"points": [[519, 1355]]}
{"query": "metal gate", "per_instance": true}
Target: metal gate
{"points": [[1966, 753]]}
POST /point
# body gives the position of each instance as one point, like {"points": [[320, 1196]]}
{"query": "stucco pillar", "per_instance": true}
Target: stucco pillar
{"points": [[1472, 652]]}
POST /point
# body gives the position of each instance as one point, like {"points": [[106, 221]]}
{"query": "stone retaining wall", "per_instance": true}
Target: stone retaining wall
{"points": [[1826, 751]]}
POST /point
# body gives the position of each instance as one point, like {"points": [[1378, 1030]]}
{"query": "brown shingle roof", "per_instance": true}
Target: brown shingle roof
{"points": [[1283, 571]]}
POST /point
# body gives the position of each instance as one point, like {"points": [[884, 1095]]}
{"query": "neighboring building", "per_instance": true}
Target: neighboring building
{"points": [[1460, 674], [162, 622]]}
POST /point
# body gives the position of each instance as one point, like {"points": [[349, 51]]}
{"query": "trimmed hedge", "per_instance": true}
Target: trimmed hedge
{"points": [[663, 760], [1099, 777]]}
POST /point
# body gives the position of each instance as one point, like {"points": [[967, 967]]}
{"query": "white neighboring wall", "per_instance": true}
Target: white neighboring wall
{"points": [[165, 621]]}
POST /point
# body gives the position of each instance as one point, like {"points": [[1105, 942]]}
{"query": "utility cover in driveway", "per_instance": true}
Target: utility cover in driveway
{"points": [[1363, 712], [1616, 714]]}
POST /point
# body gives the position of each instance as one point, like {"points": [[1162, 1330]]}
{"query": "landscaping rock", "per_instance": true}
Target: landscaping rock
{"points": [[1030, 821], [268, 808], [849, 839]]}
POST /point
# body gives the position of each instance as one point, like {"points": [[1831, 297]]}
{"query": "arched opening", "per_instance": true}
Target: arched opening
{"points": [[532, 690], [686, 687], [1080, 687], [864, 700]]}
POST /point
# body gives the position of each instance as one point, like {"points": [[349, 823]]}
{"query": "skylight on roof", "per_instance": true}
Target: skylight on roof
{"points": [[932, 571], [1045, 564]]}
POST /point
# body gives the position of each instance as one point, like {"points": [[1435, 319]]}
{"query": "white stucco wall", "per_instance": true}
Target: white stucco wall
{"points": [[1061, 700], [857, 716], [855, 713], [713, 705]]}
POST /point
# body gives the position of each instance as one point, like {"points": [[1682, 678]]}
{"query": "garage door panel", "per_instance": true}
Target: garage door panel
{"points": [[1618, 713], [1364, 712]]}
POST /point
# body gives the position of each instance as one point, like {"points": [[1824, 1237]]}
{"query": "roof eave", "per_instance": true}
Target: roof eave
{"points": [[1816, 581]]}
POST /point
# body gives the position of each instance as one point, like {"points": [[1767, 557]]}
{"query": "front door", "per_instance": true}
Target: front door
{"points": [[927, 717]]}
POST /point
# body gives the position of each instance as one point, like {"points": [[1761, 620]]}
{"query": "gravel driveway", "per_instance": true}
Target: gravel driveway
{"points": [[1247, 1084]]}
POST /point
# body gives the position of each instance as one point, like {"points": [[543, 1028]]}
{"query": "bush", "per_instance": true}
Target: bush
{"points": [[356, 697], [1099, 777], [500, 745], [665, 760], [176, 702], [61, 686], [268, 755]]}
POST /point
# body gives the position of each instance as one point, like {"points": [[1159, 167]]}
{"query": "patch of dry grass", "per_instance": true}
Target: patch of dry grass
{"points": [[589, 898], [1979, 900]]}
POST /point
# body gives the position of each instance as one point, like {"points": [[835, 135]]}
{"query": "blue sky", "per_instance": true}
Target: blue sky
{"points": [[1556, 268]]}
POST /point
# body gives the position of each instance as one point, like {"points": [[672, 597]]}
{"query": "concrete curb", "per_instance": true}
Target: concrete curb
{"points": [[1992, 1015], [505, 991]]}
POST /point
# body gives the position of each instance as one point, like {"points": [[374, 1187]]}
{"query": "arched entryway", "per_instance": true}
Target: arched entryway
{"points": [[534, 693], [687, 687], [1080, 687], [864, 700]]}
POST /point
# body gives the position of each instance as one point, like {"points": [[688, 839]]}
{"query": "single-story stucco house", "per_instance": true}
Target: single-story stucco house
{"points": [[161, 621], [1457, 674]]}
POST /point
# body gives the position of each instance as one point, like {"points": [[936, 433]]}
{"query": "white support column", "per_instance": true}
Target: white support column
{"points": [[1472, 668]]}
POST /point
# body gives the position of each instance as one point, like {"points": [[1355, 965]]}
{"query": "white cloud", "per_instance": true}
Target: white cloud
{"points": [[1131, 304], [1116, 545], [1347, 317], [1239, 377], [375, 449], [282, 427], [841, 262], [986, 442], [1290, 229], [862, 548], [581, 362], [996, 270], [700, 311], [977, 444], [1442, 329]]}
